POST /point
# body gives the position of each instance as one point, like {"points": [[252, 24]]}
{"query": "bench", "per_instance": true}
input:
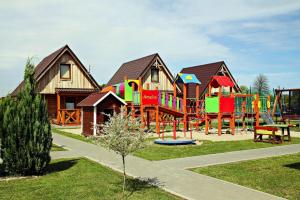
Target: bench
{"points": [[268, 134]]}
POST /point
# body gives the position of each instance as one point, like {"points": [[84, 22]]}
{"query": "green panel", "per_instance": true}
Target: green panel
{"points": [[118, 89], [170, 101], [163, 99], [212, 104], [128, 92], [177, 103]]}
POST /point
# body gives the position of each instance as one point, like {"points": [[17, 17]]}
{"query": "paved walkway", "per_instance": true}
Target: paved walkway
{"points": [[173, 174]]}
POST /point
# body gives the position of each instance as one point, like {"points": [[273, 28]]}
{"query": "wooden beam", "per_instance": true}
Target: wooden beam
{"points": [[57, 107], [174, 90], [95, 120], [140, 87], [197, 101], [157, 120], [184, 108]]}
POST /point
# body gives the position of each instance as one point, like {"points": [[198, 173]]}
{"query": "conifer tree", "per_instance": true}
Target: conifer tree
{"points": [[26, 129]]}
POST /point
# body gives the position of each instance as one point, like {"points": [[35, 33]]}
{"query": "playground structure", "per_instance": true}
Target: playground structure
{"points": [[219, 106], [220, 103], [160, 106]]}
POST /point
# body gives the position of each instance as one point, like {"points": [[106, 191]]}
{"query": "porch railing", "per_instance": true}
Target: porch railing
{"points": [[68, 116]]}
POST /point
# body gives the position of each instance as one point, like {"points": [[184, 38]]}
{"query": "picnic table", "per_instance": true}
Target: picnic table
{"points": [[273, 133]]}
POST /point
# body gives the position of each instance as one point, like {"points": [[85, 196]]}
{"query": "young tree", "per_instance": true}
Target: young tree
{"points": [[124, 135], [26, 133], [261, 85]]}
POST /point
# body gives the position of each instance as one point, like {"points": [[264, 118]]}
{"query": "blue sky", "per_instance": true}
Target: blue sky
{"points": [[252, 37]]}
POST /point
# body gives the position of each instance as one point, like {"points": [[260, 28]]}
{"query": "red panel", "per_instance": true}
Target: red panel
{"points": [[227, 104], [150, 97]]}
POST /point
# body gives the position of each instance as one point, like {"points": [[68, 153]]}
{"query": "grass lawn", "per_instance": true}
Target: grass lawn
{"points": [[277, 175], [160, 152], [72, 135], [57, 148], [78, 179]]}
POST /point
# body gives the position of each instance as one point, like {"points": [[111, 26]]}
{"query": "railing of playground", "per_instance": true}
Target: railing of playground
{"points": [[164, 99], [169, 101]]}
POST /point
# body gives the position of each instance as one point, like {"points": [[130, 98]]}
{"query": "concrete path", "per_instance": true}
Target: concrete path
{"points": [[172, 173], [234, 156]]}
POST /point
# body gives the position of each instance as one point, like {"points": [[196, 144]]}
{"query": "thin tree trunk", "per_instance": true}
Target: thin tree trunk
{"points": [[124, 176]]}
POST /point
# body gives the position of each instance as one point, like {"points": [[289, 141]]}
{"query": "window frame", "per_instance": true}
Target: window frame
{"points": [[156, 69], [60, 74]]}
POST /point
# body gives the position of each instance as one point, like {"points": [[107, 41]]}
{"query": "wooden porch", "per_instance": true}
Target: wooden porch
{"points": [[67, 111]]}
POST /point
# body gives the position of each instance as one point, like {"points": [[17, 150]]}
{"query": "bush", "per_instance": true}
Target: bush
{"points": [[25, 130]]}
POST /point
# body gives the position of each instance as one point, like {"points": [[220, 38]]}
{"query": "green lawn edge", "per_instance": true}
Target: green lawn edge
{"points": [[278, 175], [157, 152], [79, 178]]}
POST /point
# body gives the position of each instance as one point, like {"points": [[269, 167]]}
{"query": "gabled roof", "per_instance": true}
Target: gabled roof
{"points": [[204, 73], [217, 81], [48, 62], [95, 98], [132, 69]]}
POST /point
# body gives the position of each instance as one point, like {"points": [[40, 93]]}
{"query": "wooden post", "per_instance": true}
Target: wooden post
{"points": [[232, 115], [157, 120], [191, 130], [141, 103], [256, 110], [63, 117], [95, 120], [184, 108], [174, 129], [197, 101], [58, 117], [219, 113], [77, 116], [132, 102], [174, 90], [148, 120]]}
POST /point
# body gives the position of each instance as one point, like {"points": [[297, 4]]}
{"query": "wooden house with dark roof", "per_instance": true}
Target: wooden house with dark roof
{"points": [[204, 73], [152, 71], [64, 82]]}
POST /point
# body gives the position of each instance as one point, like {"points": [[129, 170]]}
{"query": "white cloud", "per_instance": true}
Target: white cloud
{"points": [[104, 33]]}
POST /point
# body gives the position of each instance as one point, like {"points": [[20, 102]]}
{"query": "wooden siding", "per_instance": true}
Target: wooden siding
{"points": [[164, 80], [51, 79], [88, 117], [51, 105]]}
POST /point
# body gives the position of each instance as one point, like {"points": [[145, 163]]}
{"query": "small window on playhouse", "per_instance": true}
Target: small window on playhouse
{"points": [[154, 75], [65, 71]]}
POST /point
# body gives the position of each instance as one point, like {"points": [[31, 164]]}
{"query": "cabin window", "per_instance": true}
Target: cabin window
{"points": [[65, 71], [154, 75], [70, 103]]}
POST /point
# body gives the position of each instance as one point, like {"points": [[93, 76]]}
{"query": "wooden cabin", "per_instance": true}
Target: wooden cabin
{"points": [[204, 73], [63, 81], [152, 71], [95, 109]]}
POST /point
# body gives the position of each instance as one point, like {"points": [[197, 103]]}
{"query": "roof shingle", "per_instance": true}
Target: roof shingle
{"points": [[132, 69]]}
